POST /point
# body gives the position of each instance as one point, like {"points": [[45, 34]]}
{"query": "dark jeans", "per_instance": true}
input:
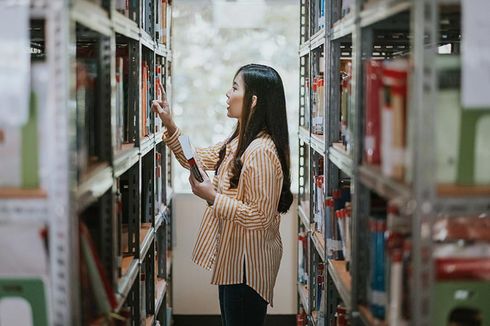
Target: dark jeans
{"points": [[240, 305]]}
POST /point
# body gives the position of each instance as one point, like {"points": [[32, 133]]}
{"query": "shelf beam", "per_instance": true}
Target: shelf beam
{"points": [[147, 235], [317, 40], [342, 28], [386, 187], [303, 295], [125, 160], [161, 289], [95, 184], [341, 159], [304, 218], [126, 282], [342, 280], [91, 16], [147, 145], [125, 26], [319, 243], [304, 49], [382, 10], [318, 144]]}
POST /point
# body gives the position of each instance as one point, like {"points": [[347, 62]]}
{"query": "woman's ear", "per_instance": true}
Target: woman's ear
{"points": [[254, 101]]}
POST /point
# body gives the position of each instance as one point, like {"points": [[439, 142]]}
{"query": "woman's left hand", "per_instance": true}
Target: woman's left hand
{"points": [[205, 189]]}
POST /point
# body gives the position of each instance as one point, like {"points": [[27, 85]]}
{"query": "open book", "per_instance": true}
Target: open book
{"points": [[185, 143]]}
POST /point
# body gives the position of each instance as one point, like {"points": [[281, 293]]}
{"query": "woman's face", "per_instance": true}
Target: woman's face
{"points": [[235, 97]]}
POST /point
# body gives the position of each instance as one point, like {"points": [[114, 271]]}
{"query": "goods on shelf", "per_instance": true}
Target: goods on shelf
{"points": [[462, 269], [123, 6], [458, 155], [377, 288], [147, 15], [318, 195], [320, 286], [162, 21], [158, 92], [318, 105], [93, 273], [459, 133], [386, 116], [394, 118], [321, 15], [307, 103], [346, 7], [372, 103], [146, 97], [302, 257], [346, 108], [301, 317], [338, 206], [389, 262], [159, 182], [23, 164], [120, 105], [84, 116], [341, 316]]}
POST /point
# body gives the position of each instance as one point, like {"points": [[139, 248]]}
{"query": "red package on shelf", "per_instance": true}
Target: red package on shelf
{"points": [[463, 269], [373, 88]]}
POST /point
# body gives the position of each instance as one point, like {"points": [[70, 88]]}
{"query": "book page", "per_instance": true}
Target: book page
{"points": [[185, 143], [475, 54]]}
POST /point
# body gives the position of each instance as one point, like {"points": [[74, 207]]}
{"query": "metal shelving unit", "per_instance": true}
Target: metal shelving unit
{"points": [[376, 29], [69, 200]]}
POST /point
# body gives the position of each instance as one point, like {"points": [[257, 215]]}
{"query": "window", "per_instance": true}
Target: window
{"points": [[206, 57]]}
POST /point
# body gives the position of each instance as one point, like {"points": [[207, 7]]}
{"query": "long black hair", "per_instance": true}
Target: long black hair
{"points": [[269, 115]]}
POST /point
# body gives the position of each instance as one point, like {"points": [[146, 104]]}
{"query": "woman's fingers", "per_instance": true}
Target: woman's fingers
{"points": [[163, 101], [156, 107], [162, 91]]}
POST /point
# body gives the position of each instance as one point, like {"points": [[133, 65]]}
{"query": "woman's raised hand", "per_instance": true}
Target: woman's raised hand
{"points": [[162, 108]]}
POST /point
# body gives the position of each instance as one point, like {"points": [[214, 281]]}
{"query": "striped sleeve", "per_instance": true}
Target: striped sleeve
{"points": [[262, 177], [206, 157]]}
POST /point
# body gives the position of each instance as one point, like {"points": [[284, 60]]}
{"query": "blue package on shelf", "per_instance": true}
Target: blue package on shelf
{"points": [[377, 227], [321, 19]]}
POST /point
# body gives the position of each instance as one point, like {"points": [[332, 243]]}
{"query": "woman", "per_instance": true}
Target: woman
{"points": [[239, 235]]}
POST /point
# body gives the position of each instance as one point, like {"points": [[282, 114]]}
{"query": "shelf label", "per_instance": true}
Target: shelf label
{"points": [[475, 54], [14, 62]]}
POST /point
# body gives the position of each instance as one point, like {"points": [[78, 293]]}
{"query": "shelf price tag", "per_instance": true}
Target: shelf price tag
{"points": [[475, 54], [14, 62]]}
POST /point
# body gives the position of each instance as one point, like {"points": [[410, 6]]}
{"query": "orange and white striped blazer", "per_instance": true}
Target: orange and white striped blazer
{"points": [[242, 226]]}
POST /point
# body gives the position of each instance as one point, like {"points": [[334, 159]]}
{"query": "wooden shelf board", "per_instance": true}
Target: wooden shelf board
{"points": [[92, 170], [145, 228], [319, 138], [340, 147], [453, 190], [12, 193], [319, 242], [342, 279], [125, 263], [303, 294], [160, 290], [124, 147], [340, 268]]}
